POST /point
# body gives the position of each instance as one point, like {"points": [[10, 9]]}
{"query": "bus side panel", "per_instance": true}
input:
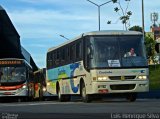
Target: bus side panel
{"points": [[68, 77], [51, 82]]}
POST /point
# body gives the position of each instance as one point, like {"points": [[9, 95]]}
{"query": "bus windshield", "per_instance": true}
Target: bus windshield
{"points": [[113, 51], [12, 74]]}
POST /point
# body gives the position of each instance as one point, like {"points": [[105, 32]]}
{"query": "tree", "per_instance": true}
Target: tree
{"points": [[136, 28], [124, 14], [150, 48]]}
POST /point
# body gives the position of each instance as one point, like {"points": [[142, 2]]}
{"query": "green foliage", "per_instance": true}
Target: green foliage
{"points": [[150, 48], [116, 9], [154, 77], [114, 1], [124, 14], [108, 22], [129, 13], [136, 28]]}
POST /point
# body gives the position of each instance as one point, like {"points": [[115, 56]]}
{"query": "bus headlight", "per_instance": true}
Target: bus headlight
{"points": [[48, 84], [102, 78], [142, 77], [44, 89], [24, 86]]}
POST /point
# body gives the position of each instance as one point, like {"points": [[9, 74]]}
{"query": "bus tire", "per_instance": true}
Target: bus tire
{"points": [[85, 97], [26, 99], [40, 95], [61, 97], [67, 98], [19, 99], [131, 97]]}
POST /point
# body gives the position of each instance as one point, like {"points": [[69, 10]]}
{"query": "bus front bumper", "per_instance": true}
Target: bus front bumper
{"points": [[119, 87], [18, 92]]}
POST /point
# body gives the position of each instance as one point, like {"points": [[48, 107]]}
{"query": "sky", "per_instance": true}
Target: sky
{"points": [[41, 22]]}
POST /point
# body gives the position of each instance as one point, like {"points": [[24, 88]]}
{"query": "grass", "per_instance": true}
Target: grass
{"points": [[154, 76]]}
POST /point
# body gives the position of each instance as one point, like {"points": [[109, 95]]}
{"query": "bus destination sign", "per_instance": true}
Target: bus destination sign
{"points": [[10, 62]]}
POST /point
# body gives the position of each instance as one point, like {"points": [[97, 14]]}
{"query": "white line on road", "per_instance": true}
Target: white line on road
{"points": [[62, 103], [34, 104]]}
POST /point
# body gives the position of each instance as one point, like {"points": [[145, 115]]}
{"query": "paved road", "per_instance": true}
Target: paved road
{"points": [[149, 108]]}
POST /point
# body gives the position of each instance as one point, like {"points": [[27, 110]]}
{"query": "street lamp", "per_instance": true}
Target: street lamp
{"points": [[99, 9], [64, 37], [143, 29]]}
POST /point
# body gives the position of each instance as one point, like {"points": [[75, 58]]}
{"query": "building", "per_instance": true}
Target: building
{"points": [[156, 31], [10, 45]]}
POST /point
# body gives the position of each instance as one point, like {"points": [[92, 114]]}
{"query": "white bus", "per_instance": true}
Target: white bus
{"points": [[95, 64]]}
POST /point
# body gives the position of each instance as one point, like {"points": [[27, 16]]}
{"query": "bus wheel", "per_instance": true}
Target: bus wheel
{"points": [[63, 98], [40, 95], [67, 97], [26, 99], [60, 96], [131, 97], [20, 99], [85, 97]]}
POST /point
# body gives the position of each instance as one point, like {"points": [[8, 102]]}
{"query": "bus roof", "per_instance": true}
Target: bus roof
{"points": [[98, 33]]}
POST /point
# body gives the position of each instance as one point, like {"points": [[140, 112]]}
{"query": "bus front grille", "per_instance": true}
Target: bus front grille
{"points": [[123, 87], [121, 77]]}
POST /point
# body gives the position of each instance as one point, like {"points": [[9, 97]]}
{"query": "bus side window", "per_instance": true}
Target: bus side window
{"points": [[49, 62], [54, 59], [63, 56], [78, 51], [57, 60], [72, 53], [53, 63], [68, 54]]}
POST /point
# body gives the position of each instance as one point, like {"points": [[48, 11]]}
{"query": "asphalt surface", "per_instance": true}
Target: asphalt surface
{"points": [[106, 109]]}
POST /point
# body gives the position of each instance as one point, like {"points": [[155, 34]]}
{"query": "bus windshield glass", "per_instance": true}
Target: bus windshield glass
{"points": [[12, 74], [117, 51]]}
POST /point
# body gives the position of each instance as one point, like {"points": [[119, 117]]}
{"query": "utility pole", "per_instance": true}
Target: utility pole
{"points": [[99, 19], [143, 27]]}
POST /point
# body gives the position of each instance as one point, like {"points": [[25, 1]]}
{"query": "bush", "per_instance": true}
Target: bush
{"points": [[154, 77]]}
